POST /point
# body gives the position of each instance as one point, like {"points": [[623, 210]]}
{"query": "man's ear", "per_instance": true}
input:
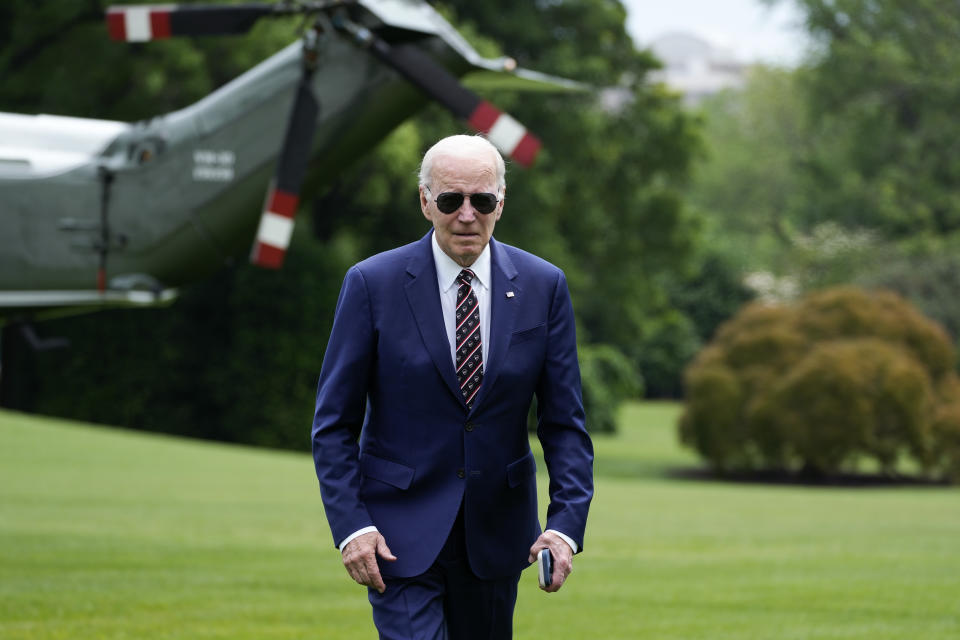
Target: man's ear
{"points": [[424, 202]]}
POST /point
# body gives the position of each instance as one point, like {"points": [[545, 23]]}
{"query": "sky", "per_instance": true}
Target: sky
{"points": [[753, 31]]}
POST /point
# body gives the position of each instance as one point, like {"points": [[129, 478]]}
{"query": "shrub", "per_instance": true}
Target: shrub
{"points": [[608, 378], [945, 456], [840, 376], [668, 342]]}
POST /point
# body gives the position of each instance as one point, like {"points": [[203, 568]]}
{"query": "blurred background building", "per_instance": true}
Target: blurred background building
{"points": [[695, 66]]}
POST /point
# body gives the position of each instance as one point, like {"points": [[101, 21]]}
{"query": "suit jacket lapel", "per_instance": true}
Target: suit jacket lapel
{"points": [[423, 294], [503, 313]]}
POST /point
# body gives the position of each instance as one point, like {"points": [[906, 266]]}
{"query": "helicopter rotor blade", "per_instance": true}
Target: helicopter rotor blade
{"points": [[283, 197], [142, 23], [508, 135]]}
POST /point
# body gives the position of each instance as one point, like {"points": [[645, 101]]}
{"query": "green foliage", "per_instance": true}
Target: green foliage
{"points": [[843, 170], [749, 187], [711, 294], [665, 346], [608, 379], [945, 430], [884, 91], [583, 39], [697, 301], [840, 377], [928, 275]]}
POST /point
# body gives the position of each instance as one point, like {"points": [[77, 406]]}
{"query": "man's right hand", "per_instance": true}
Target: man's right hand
{"points": [[360, 559]]}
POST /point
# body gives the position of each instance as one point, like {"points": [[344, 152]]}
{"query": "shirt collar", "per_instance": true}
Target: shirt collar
{"points": [[448, 270]]}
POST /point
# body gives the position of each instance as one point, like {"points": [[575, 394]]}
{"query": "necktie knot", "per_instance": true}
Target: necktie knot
{"points": [[466, 277]]}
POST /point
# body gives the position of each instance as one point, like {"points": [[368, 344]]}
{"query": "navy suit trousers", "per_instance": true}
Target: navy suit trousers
{"points": [[446, 602]]}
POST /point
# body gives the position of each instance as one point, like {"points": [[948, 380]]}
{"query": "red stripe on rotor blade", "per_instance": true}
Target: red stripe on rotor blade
{"points": [[116, 24], [283, 203], [263, 255], [526, 150], [159, 24], [483, 117]]}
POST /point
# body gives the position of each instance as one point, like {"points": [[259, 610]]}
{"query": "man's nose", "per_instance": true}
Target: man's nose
{"points": [[466, 212]]}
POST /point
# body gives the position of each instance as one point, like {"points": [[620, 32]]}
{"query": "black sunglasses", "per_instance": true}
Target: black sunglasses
{"points": [[450, 201]]}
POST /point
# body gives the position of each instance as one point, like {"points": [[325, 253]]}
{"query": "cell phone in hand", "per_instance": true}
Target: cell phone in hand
{"points": [[545, 560]]}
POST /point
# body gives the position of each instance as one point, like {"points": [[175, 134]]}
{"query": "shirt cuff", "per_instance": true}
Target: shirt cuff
{"points": [[565, 538], [359, 533]]}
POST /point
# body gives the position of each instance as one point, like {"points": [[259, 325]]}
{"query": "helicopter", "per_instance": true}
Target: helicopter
{"points": [[99, 213]]}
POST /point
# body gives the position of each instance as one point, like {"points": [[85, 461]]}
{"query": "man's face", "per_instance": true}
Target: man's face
{"points": [[464, 233]]}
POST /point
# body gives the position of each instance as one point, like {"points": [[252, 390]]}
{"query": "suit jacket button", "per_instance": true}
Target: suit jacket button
{"points": [[469, 426], [460, 473]]}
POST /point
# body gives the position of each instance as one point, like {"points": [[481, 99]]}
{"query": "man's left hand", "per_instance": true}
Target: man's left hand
{"points": [[562, 558]]}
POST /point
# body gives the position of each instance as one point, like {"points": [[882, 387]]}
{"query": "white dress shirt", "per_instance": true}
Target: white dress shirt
{"points": [[447, 272]]}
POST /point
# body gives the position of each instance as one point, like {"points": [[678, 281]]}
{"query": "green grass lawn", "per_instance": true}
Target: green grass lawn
{"points": [[114, 534]]}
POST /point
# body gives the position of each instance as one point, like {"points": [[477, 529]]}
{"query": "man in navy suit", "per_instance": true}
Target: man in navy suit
{"points": [[420, 439]]}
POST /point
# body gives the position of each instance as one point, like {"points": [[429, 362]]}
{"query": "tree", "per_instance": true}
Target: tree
{"points": [[883, 87], [748, 188], [843, 170]]}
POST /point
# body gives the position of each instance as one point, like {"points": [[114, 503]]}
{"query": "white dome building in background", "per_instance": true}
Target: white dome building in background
{"points": [[695, 67]]}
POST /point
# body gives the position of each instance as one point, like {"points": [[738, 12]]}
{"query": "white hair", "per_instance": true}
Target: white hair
{"points": [[455, 145]]}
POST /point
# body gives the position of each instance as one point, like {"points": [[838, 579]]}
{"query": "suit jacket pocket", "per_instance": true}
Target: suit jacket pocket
{"points": [[393, 473], [526, 334], [520, 470]]}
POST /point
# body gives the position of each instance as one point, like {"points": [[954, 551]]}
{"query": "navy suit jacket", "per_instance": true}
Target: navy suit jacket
{"points": [[394, 443]]}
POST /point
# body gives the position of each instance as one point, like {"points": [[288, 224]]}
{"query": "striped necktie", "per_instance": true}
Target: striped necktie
{"points": [[469, 350]]}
